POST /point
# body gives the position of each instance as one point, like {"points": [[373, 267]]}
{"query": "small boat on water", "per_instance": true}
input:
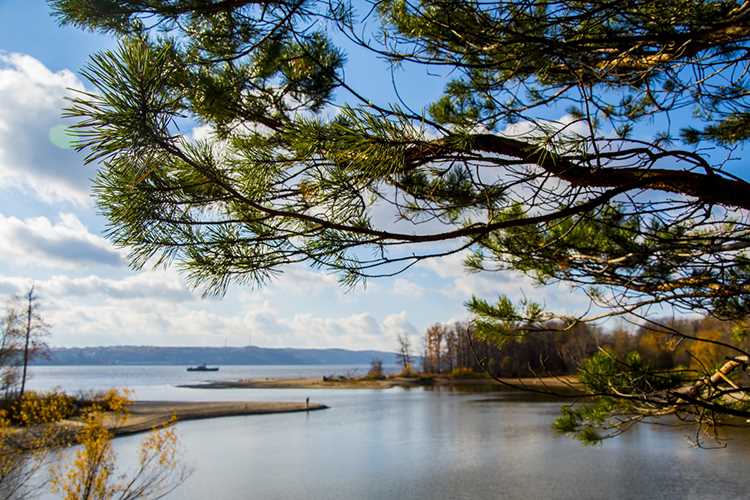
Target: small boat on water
{"points": [[202, 368]]}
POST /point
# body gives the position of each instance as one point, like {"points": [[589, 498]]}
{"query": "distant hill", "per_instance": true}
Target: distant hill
{"points": [[152, 355]]}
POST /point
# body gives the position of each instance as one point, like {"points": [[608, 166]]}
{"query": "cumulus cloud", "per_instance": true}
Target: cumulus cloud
{"points": [[156, 307], [489, 285], [395, 325], [355, 331], [151, 285], [42, 242], [34, 151], [299, 282], [464, 284], [160, 322]]}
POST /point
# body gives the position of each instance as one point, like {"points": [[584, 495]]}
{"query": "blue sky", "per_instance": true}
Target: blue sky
{"points": [[50, 234]]}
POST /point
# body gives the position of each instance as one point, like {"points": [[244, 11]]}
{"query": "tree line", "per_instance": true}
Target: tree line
{"points": [[458, 347], [550, 350]]}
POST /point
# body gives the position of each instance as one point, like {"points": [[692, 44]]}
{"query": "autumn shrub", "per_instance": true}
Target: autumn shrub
{"points": [[92, 473], [376, 370], [30, 440], [35, 408], [463, 372], [28, 445], [407, 371], [112, 400]]}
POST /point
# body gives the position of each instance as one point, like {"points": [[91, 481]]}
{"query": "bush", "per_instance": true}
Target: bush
{"points": [[407, 371], [466, 373], [34, 408], [376, 370], [114, 400]]}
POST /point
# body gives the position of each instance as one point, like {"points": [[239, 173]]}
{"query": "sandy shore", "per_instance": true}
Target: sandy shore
{"points": [[144, 416], [565, 385], [296, 383]]}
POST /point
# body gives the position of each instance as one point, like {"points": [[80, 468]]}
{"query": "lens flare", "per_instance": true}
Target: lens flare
{"points": [[61, 136]]}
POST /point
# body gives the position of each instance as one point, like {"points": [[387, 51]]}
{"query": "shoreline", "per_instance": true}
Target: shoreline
{"points": [[144, 416], [564, 385]]}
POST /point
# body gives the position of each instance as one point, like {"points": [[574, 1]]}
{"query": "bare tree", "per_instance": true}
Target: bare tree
{"points": [[404, 351], [376, 369], [10, 347], [23, 333], [433, 348]]}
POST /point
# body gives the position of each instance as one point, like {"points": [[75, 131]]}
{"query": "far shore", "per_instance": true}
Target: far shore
{"points": [[562, 385]]}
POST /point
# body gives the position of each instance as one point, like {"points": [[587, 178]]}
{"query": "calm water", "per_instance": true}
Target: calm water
{"points": [[411, 444]]}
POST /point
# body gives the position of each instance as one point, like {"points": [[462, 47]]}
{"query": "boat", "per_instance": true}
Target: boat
{"points": [[202, 368]]}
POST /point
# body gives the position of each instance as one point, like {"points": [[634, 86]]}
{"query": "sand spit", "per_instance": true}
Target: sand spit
{"points": [[566, 385], [145, 415]]}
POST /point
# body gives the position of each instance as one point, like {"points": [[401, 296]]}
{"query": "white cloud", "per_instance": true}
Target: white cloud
{"points": [[399, 324], [159, 322], [162, 286], [490, 285], [147, 285], [156, 308], [33, 155], [407, 288], [464, 284], [450, 266], [565, 128], [300, 282], [41, 242], [355, 331], [202, 133]]}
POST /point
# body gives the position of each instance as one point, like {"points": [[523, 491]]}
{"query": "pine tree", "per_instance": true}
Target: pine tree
{"points": [[559, 148]]}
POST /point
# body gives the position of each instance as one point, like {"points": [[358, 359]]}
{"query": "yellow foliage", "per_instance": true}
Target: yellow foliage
{"points": [[91, 474], [29, 438], [116, 400], [465, 373], [88, 477], [36, 408], [30, 433], [407, 371], [707, 355]]}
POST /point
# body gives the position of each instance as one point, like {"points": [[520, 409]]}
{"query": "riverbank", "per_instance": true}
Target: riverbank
{"points": [[144, 416], [564, 385]]}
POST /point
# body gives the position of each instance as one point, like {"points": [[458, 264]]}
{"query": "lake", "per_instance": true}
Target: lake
{"points": [[409, 444]]}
